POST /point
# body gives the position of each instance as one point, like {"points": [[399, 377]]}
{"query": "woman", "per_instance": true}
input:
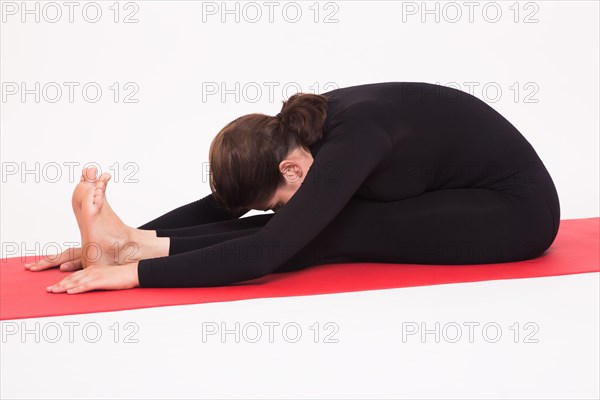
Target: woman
{"points": [[394, 172]]}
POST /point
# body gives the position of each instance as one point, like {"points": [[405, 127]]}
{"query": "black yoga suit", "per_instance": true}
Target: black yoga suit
{"points": [[405, 172]]}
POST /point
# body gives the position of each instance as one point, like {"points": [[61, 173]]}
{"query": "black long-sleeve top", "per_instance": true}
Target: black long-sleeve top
{"points": [[381, 141]]}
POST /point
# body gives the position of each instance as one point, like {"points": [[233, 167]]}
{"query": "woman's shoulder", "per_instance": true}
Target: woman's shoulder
{"points": [[368, 101]]}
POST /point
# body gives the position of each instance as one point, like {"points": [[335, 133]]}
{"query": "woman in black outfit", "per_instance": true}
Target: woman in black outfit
{"points": [[394, 172]]}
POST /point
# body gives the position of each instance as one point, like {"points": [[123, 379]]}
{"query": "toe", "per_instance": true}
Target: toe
{"points": [[105, 177], [87, 179], [89, 174], [99, 194]]}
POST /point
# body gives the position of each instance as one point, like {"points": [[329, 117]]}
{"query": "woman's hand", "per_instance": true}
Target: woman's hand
{"points": [[69, 260], [113, 277]]}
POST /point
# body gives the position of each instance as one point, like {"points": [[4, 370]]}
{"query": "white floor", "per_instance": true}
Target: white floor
{"points": [[522, 338]]}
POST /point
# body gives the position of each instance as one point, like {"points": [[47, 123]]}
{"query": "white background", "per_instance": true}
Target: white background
{"points": [[177, 49], [170, 54]]}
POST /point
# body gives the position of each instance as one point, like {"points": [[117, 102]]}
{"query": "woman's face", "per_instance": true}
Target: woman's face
{"points": [[282, 195]]}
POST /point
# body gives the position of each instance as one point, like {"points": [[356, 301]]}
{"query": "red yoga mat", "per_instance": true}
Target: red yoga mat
{"points": [[23, 293]]}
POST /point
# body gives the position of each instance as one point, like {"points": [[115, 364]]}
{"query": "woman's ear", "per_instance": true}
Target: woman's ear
{"points": [[291, 171]]}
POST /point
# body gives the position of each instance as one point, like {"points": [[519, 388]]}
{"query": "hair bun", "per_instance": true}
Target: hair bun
{"points": [[304, 116]]}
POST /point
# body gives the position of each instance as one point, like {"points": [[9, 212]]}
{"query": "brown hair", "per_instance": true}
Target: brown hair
{"points": [[245, 155]]}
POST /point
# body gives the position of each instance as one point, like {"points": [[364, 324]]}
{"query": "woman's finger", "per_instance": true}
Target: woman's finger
{"points": [[75, 286], [96, 278], [67, 282], [70, 266], [53, 261], [83, 287], [81, 283], [113, 277], [47, 262]]}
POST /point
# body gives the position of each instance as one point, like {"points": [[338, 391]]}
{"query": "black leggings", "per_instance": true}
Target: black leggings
{"points": [[449, 226]]}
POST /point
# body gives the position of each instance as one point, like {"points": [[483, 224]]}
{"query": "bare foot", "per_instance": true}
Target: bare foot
{"points": [[105, 239]]}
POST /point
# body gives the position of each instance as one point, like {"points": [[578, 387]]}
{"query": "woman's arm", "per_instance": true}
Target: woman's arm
{"points": [[352, 150], [197, 212]]}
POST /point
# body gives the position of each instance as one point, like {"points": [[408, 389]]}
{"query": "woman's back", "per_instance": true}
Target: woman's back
{"points": [[442, 138]]}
